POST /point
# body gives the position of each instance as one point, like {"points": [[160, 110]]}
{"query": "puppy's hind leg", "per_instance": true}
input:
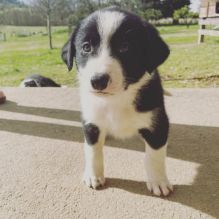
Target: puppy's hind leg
{"points": [[93, 149]]}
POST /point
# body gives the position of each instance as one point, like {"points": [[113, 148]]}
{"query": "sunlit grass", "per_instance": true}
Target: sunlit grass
{"points": [[22, 56]]}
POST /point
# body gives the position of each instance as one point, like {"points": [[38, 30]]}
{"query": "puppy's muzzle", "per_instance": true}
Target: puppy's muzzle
{"points": [[100, 81]]}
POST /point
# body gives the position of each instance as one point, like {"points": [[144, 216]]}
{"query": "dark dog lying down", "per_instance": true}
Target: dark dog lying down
{"points": [[36, 80]]}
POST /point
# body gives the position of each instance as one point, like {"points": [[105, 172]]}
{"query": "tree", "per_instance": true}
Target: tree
{"points": [[80, 9], [14, 2], [70, 12], [183, 13], [151, 4], [46, 7], [63, 9], [169, 6], [151, 14]]}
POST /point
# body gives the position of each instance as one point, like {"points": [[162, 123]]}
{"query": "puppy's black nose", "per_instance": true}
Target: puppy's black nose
{"points": [[100, 81]]}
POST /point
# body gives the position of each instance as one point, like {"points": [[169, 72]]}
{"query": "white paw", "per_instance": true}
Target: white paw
{"points": [[93, 181], [163, 188]]}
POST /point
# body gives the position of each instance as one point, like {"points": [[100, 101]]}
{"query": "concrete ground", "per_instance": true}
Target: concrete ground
{"points": [[41, 160]]}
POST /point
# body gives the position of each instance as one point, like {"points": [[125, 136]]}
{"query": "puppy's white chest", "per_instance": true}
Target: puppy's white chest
{"points": [[118, 117], [121, 121], [124, 121]]}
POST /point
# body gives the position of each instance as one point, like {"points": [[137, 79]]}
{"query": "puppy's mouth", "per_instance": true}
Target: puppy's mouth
{"points": [[102, 93]]}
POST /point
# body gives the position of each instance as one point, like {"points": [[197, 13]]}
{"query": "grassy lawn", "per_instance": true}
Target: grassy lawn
{"points": [[23, 56], [189, 65]]}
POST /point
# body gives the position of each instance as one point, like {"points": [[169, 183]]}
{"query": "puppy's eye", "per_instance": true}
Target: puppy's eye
{"points": [[86, 47], [124, 47]]}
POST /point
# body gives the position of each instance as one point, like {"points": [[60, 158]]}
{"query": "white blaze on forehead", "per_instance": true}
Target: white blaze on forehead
{"points": [[108, 23]]}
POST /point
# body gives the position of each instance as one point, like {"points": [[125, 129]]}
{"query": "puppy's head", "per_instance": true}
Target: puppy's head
{"points": [[113, 48]]}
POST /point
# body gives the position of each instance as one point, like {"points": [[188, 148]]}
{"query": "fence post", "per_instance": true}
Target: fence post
{"points": [[200, 35]]}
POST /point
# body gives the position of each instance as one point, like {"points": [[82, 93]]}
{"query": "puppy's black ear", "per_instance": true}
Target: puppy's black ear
{"points": [[69, 51], [156, 50]]}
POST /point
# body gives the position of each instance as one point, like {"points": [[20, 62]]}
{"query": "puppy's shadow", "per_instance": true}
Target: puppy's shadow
{"points": [[137, 187], [189, 195], [195, 144], [69, 115], [198, 144]]}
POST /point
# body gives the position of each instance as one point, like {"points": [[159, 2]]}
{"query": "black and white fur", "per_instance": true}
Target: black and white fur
{"points": [[116, 55], [36, 80]]}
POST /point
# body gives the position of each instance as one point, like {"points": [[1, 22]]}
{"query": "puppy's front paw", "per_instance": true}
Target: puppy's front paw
{"points": [[163, 188], [93, 181]]}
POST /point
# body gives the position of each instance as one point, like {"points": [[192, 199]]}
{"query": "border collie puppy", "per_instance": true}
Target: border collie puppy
{"points": [[117, 55], [36, 80]]}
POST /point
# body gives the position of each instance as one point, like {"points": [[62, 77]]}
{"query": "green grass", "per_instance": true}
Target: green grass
{"points": [[23, 56], [189, 64], [177, 29]]}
